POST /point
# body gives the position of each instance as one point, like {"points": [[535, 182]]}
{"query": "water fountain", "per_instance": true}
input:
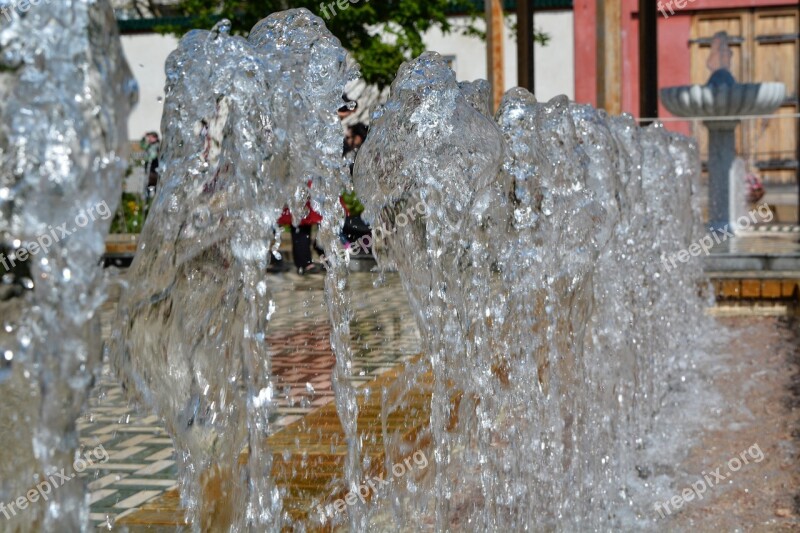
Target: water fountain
{"points": [[535, 336], [529, 244], [248, 125], [719, 98], [65, 94]]}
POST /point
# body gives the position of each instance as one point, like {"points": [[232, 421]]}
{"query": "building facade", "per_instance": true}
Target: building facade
{"points": [[764, 39]]}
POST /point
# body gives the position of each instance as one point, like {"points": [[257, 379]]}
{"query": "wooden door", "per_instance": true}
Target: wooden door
{"points": [[765, 47], [775, 51]]}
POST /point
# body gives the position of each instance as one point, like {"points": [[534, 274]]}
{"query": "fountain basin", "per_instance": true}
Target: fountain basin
{"points": [[721, 103], [723, 100]]}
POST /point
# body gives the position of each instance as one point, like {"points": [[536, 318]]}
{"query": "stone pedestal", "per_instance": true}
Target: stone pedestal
{"points": [[738, 191], [722, 97], [721, 154]]}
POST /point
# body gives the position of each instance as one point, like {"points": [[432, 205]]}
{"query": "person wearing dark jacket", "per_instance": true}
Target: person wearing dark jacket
{"points": [[354, 226]]}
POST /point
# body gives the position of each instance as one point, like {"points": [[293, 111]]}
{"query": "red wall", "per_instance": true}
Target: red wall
{"points": [[673, 47], [585, 31], [584, 20]]}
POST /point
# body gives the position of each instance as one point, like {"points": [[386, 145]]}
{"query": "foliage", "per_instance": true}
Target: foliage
{"points": [[538, 36], [352, 203], [130, 214], [379, 53]]}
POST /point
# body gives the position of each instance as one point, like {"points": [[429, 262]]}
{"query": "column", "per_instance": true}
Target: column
{"points": [[721, 153]]}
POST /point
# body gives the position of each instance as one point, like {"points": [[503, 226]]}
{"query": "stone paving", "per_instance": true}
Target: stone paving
{"points": [[141, 465]]}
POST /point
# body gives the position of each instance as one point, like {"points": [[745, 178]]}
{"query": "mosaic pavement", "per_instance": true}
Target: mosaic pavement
{"points": [[141, 465]]}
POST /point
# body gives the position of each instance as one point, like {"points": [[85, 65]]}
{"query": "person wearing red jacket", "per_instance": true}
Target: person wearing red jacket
{"points": [[301, 234], [301, 240]]}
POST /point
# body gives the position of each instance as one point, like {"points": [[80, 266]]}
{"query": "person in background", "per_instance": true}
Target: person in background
{"points": [[354, 137], [276, 263], [348, 108], [301, 240], [354, 226], [150, 144]]}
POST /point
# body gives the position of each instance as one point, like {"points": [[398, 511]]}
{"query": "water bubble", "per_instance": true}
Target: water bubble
{"points": [[201, 218], [261, 288]]}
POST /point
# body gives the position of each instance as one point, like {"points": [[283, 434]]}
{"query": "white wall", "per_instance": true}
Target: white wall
{"points": [[147, 55], [554, 64]]}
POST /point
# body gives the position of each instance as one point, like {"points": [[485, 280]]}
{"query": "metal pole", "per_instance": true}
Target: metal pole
{"points": [[648, 59], [525, 53]]}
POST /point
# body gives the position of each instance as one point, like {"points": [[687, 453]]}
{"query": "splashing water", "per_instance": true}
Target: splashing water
{"points": [[248, 123], [534, 262], [65, 95], [537, 283]]}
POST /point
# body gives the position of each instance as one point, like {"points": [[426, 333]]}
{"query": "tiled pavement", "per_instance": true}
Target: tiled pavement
{"points": [[141, 466]]}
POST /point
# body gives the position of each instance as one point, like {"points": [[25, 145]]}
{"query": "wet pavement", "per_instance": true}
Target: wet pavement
{"points": [[756, 377], [746, 464], [141, 465]]}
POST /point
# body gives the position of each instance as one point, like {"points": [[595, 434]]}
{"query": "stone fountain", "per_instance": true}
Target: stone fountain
{"points": [[719, 98]]}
